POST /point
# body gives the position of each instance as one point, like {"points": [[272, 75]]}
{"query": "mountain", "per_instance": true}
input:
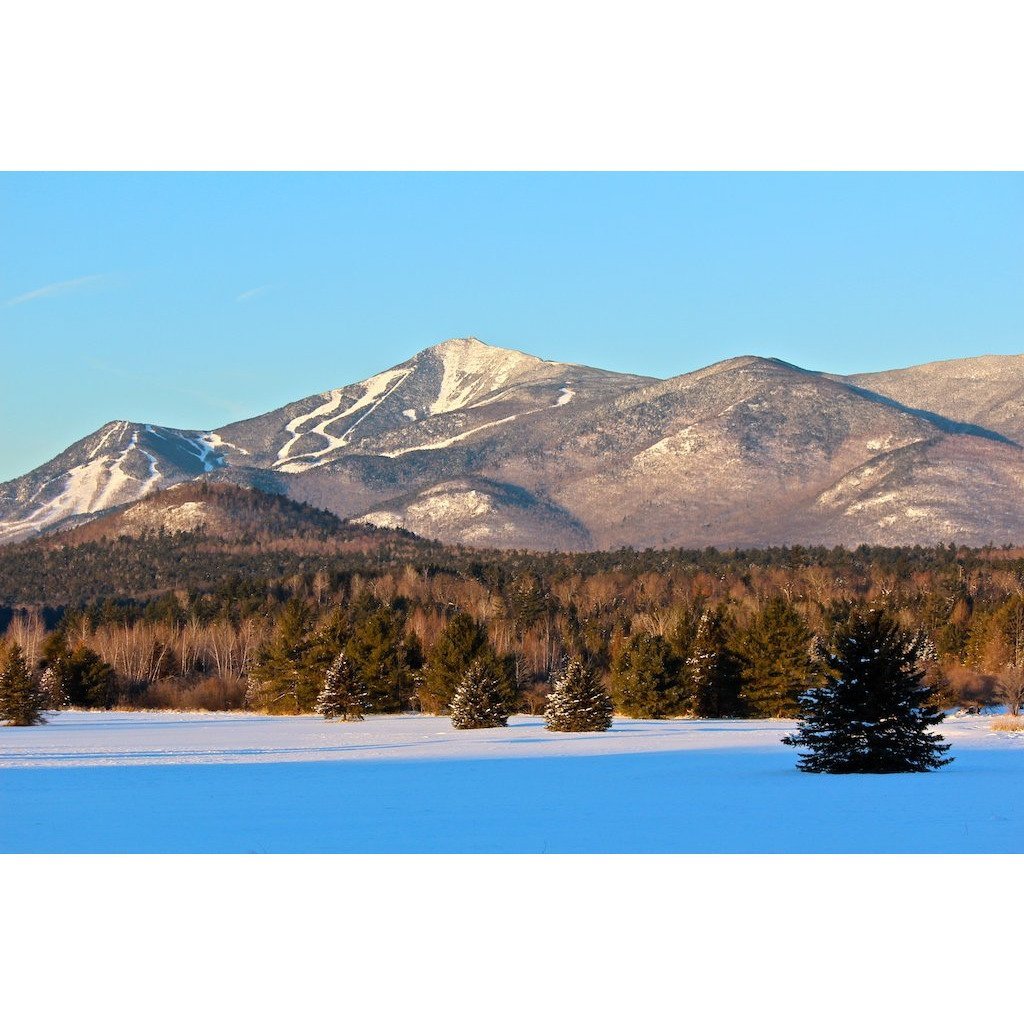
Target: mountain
{"points": [[486, 446]]}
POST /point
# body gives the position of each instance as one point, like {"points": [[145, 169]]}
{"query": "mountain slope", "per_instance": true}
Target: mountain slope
{"points": [[732, 454], [957, 489], [484, 513], [987, 391]]}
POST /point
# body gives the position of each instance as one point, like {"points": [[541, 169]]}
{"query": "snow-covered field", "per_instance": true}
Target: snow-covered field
{"points": [[165, 782]]}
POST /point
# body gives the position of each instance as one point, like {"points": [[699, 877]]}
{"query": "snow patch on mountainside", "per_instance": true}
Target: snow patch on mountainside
{"points": [[474, 370], [439, 509], [565, 396], [214, 440], [439, 504], [331, 405], [884, 444], [118, 424], [687, 441], [448, 441]]}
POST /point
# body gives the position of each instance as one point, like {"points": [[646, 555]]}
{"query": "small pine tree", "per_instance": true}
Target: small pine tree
{"points": [[22, 698], [343, 695], [872, 714], [578, 703], [51, 685], [478, 702]]}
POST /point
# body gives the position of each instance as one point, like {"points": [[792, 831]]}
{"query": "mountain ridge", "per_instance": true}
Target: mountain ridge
{"points": [[476, 444]]}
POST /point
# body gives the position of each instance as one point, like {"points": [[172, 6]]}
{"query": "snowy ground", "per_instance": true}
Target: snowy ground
{"points": [[165, 782]]}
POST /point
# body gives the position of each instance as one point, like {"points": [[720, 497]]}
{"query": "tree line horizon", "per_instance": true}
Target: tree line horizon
{"points": [[668, 633]]}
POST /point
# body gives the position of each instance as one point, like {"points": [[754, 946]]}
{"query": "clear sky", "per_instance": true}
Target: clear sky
{"points": [[192, 300]]}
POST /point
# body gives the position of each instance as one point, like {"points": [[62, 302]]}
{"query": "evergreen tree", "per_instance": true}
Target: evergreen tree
{"points": [[775, 661], [712, 671], [329, 637], [683, 632], [478, 701], [646, 678], [22, 698], [382, 658], [462, 643], [872, 714], [284, 680], [578, 703], [80, 678], [50, 684], [343, 695]]}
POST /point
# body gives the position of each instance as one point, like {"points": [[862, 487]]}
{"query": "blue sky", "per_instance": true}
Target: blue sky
{"points": [[192, 300]]}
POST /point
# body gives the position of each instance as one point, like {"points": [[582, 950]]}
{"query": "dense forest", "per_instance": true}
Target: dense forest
{"points": [[189, 620]]}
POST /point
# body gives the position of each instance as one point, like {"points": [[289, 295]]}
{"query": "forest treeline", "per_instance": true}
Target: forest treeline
{"points": [[180, 621]]}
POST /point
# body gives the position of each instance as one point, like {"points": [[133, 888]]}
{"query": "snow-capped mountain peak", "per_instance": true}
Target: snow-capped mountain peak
{"points": [[473, 370]]}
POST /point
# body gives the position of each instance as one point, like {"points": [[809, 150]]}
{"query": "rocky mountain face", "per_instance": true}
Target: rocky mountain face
{"points": [[486, 446]]}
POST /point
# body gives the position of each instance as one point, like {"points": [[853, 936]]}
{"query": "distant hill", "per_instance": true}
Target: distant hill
{"points": [[221, 510], [199, 535]]}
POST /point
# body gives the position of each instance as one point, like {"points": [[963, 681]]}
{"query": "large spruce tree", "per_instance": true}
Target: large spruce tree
{"points": [[872, 714], [578, 703], [383, 658], [775, 661], [22, 697], [478, 702], [285, 678], [343, 694], [646, 678]]}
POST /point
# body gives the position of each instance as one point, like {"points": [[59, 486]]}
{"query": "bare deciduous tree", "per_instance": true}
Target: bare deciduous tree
{"points": [[1010, 688]]}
